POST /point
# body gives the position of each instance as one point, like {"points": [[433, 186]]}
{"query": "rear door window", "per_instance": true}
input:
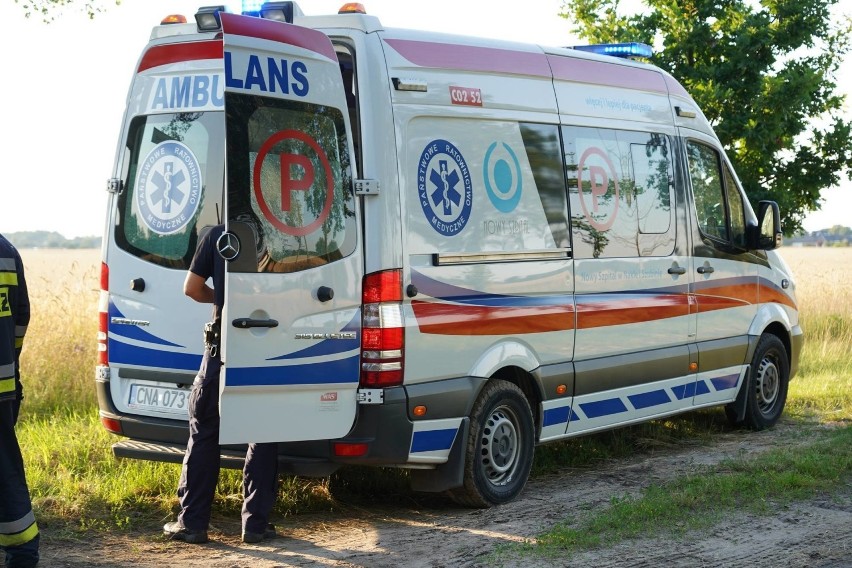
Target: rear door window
{"points": [[173, 186]]}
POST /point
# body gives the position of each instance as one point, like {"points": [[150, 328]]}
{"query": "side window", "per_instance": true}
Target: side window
{"points": [[707, 190], [737, 209], [620, 192], [542, 145], [719, 204]]}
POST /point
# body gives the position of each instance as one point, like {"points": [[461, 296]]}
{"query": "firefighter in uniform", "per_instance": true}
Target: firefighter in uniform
{"points": [[200, 471], [18, 531]]}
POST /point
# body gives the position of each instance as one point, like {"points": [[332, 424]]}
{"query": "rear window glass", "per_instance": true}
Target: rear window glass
{"points": [[173, 185]]}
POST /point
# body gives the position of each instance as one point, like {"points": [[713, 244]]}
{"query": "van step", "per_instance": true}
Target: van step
{"points": [[232, 459], [172, 453]]}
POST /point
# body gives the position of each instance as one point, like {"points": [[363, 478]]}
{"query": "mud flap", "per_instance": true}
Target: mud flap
{"points": [[737, 408], [448, 475]]}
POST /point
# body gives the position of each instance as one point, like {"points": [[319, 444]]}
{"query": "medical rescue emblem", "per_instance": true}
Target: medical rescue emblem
{"points": [[444, 187], [168, 188]]}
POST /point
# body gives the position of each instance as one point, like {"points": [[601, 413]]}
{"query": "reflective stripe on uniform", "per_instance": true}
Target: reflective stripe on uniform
{"points": [[7, 378], [8, 264], [20, 332], [7, 371], [9, 278], [16, 533]]}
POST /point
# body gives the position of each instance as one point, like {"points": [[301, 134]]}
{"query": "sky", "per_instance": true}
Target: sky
{"points": [[66, 83]]}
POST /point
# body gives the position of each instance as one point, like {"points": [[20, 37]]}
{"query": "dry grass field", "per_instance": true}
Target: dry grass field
{"points": [[58, 360]]}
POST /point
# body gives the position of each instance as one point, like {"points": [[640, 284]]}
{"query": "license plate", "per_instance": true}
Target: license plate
{"points": [[173, 401]]}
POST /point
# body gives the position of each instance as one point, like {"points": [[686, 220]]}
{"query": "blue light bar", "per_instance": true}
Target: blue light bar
{"points": [[252, 6], [625, 50]]}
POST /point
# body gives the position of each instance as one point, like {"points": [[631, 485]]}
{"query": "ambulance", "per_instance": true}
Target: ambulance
{"points": [[442, 251]]}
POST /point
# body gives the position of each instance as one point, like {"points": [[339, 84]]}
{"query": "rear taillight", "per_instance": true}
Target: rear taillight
{"points": [[103, 316], [382, 330], [111, 424]]}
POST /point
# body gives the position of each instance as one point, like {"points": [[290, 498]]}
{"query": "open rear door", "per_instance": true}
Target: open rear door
{"points": [[291, 323]]}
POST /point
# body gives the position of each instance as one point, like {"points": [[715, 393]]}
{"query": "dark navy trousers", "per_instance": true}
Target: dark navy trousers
{"points": [[19, 536], [200, 472]]}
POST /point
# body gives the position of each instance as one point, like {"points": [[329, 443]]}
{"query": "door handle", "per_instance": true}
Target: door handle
{"points": [[245, 323], [706, 269], [677, 270]]}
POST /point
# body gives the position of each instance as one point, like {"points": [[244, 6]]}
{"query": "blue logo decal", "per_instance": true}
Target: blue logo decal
{"points": [[505, 191], [168, 188], [444, 187]]}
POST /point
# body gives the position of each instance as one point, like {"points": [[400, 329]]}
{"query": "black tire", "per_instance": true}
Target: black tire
{"points": [[770, 375], [500, 448]]}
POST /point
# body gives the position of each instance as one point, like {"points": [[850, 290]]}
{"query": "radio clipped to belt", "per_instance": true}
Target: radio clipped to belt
{"points": [[212, 336]]}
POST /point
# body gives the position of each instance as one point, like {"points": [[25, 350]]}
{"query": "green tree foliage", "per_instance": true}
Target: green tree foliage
{"points": [[48, 10], [764, 73]]}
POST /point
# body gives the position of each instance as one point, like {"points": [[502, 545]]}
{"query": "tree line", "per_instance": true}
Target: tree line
{"points": [[51, 239]]}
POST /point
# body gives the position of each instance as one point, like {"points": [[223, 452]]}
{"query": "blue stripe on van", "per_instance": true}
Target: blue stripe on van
{"points": [[124, 354], [432, 440], [329, 346], [134, 331], [690, 389], [324, 372], [648, 399], [725, 383], [559, 415], [555, 416], [603, 407]]}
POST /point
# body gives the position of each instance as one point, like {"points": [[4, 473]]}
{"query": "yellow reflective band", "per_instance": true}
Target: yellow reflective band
{"points": [[7, 385], [19, 342], [20, 538], [9, 278]]}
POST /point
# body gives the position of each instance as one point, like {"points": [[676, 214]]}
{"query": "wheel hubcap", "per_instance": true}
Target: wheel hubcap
{"points": [[500, 446], [767, 384]]}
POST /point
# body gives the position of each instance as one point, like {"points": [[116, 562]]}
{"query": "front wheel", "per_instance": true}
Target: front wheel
{"points": [[499, 451], [770, 375]]}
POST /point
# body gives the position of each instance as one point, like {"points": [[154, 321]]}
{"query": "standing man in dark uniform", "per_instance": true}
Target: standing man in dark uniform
{"points": [[18, 530], [200, 471]]}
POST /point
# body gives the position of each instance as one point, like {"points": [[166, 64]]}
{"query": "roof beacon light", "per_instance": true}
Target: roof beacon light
{"points": [[280, 11], [352, 8], [173, 19], [208, 19], [631, 50]]}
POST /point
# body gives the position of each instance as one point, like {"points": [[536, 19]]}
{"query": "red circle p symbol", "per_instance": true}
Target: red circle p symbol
{"points": [[297, 174], [599, 172]]}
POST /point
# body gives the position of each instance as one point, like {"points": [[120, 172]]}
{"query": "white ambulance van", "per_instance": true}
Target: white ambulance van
{"points": [[445, 250]]}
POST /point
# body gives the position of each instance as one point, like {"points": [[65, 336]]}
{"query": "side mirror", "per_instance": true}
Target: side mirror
{"points": [[767, 234]]}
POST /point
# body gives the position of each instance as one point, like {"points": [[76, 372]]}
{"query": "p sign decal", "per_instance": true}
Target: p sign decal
{"points": [[596, 170], [297, 173]]}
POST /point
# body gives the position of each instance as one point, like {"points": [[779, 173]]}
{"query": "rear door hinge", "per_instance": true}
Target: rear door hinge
{"points": [[366, 187]]}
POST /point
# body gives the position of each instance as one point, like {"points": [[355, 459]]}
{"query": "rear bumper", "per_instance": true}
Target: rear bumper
{"points": [[384, 430]]}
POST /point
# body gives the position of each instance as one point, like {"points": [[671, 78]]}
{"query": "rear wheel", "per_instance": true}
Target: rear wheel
{"points": [[499, 451], [770, 374]]}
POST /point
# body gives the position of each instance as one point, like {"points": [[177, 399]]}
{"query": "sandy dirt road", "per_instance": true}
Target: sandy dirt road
{"points": [[433, 533]]}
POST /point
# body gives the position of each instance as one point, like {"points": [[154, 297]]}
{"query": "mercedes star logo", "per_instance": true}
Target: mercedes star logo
{"points": [[228, 246]]}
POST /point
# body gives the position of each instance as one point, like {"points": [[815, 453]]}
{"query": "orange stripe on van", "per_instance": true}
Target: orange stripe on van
{"points": [[458, 319], [620, 311]]}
